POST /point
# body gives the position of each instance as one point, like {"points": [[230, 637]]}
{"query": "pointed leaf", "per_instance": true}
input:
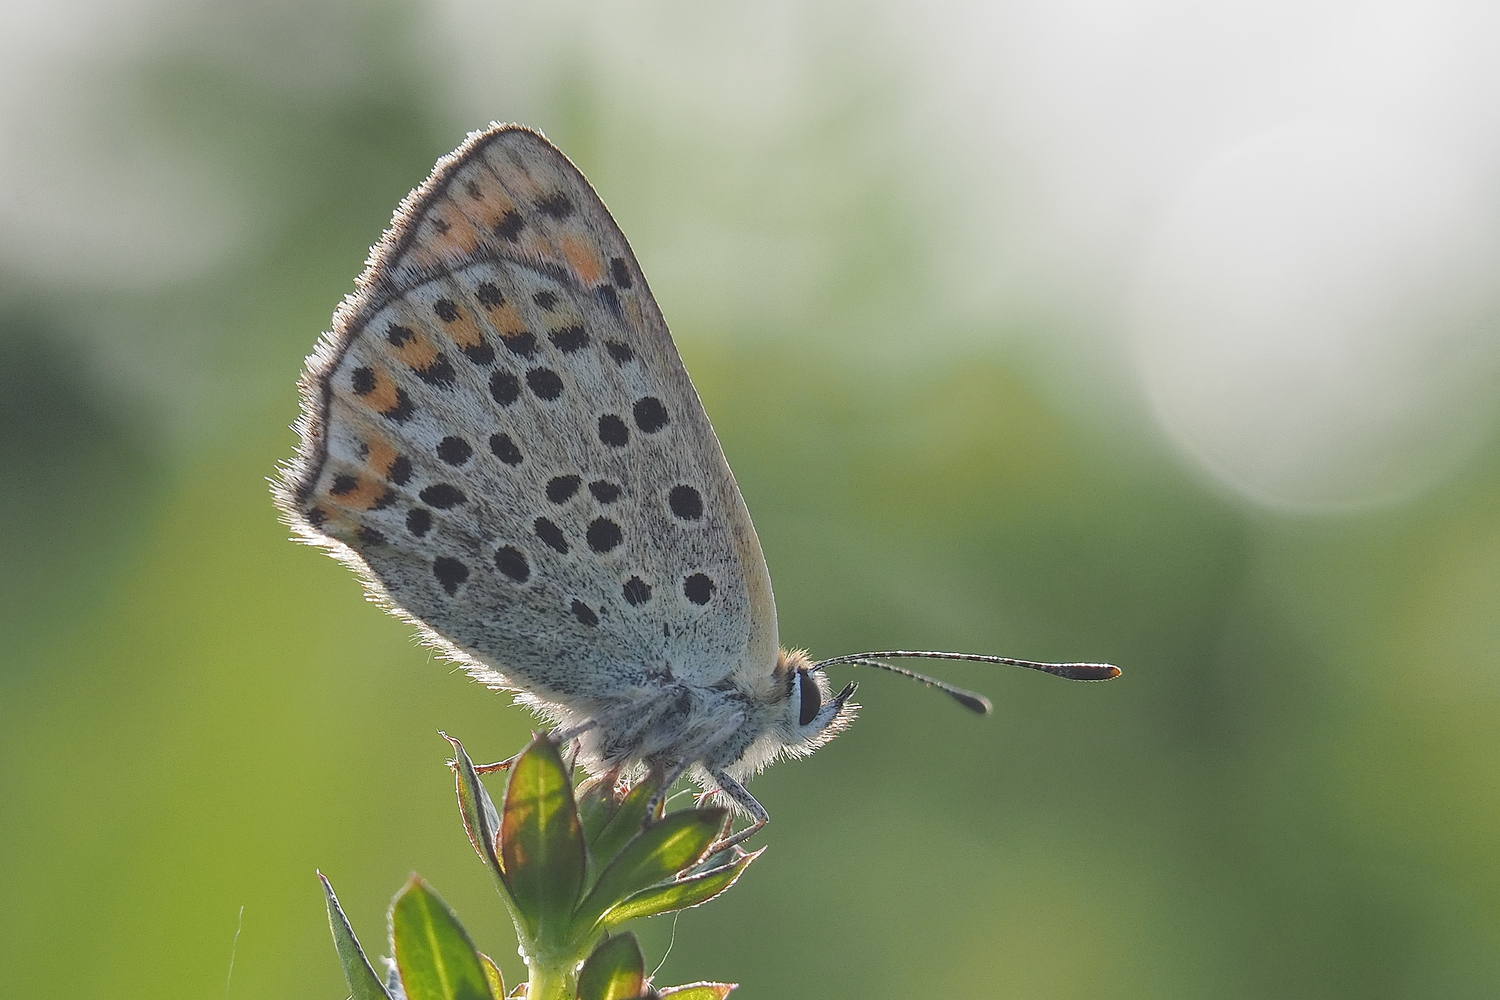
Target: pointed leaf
{"points": [[615, 971], [700, 991], [689, 892], [597, 804], [436, 959], [492, 976], [481, 820], [541, 843], [363, 983], [627, 819], [656, 854]]}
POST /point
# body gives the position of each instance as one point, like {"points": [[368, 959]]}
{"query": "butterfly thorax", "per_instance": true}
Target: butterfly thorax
{"points": [[726, 727]]}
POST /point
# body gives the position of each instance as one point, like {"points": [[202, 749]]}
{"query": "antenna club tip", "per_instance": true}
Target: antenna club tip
{"points": [[1084, 671], [976, 703]]}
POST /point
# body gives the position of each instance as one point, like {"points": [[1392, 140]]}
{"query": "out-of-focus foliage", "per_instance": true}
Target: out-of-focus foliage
{"points": [[1287, 794]]}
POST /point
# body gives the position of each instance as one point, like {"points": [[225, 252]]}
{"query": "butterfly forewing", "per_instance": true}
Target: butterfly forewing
{"points": [[500, 435]]}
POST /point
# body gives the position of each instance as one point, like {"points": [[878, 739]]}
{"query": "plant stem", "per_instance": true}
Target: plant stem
{"points": [[549, 982]]}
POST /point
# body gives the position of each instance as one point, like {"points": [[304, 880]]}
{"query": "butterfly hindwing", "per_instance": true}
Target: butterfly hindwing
{"points": [[499, 434]]}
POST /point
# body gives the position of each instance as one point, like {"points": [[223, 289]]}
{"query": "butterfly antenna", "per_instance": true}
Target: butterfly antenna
{"points": [[969, 699]]}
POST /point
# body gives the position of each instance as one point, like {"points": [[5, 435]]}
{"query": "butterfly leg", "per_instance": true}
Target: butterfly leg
{"points": [[499, 765], [557, 736], [561, 736], [668, 780], [737, 792]]}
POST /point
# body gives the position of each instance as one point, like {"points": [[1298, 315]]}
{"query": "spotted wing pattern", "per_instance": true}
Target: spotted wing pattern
{"points": [[500, 436]]}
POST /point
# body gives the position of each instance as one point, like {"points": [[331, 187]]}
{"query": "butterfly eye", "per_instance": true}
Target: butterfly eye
{"points": [[812, 698]]}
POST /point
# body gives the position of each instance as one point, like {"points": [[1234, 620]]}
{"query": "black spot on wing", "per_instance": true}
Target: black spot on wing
{"points": [[545, 382], [454, 450], [650, 414], [584, 613], [560, 489], [604, 491], [510, 226], [418, 521], [686, 503], [698, 588], [439, 372], [569, 339], [613, 432], [503, 448], [443, 495], [551, 534], [450, 573], [520, 342], [636, 591], [401, 410], [603, 535], [556, 205], [481, 354], [512, 562], [505, 388], [620, 271]]}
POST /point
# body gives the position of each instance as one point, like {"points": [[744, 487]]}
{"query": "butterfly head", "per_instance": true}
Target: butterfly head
{"points": [[811, 713]]}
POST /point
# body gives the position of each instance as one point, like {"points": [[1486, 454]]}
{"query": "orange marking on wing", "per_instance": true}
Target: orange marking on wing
{"points": [[365, 493], [464, 331], [489, 205], [382, 455], [383, 396], [582, 258], [459, 239], [506, 320], [418, 352]]}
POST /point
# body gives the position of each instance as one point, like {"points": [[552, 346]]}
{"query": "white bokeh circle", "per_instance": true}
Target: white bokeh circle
{"points": [[1315, 318]]}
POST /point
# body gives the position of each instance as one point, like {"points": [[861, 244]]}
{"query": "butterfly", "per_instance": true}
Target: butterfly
{"points": [[500, 438]]}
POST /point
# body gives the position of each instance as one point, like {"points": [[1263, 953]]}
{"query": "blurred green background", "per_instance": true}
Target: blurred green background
{"points": [[1138, 332]]}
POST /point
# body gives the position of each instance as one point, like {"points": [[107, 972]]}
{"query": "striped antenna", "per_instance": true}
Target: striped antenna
{"points": [[969, 699]]}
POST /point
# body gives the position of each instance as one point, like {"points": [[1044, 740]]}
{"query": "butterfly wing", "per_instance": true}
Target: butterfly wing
{"points": [[500, 437]]}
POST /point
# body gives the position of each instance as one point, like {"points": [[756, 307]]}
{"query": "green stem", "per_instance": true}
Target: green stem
{"points": [[553, 973], [549, 982]]}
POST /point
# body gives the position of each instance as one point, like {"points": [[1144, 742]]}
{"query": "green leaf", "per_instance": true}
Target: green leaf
{"points": [[363, 983], [492, 976], [597, 804], [481, 821], [433, 953], [615, 971], [627, 819], [655, 854], [693, 891], [700, 991], [541, 843]]}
